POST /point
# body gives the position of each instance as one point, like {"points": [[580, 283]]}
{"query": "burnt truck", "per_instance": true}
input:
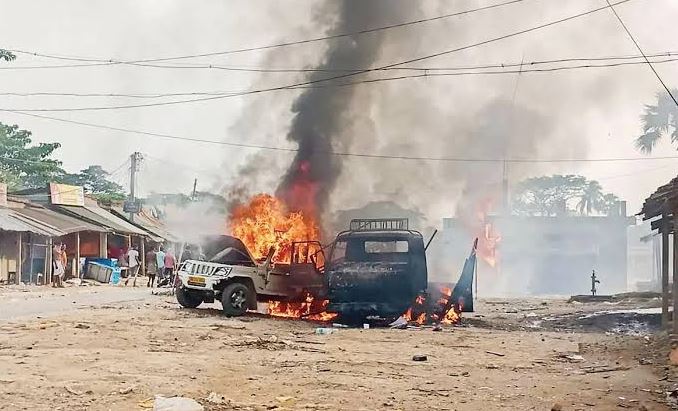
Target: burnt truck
{"points": [[377, 269], [374, 270]]}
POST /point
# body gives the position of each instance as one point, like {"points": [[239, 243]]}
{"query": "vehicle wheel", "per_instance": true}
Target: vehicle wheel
{"points": [[188, 298], [235, 299]]}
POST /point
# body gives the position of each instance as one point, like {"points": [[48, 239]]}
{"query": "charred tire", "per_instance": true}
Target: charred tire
{"points": [[235, 299], [188, 298]]}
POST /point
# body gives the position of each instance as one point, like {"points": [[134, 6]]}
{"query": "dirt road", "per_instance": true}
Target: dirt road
{"points": [[117, 355]]}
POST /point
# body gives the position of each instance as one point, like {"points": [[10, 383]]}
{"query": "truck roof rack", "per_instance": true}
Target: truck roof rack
{"points": [[379, 224]]}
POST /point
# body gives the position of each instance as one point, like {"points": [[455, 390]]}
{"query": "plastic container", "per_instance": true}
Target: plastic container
{"points": [[115, 276]]}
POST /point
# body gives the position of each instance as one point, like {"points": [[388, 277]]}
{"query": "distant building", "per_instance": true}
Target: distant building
{"points": [[541, 255]]}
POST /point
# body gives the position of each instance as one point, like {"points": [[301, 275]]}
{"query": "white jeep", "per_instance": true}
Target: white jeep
{"points": [[233, 276]]}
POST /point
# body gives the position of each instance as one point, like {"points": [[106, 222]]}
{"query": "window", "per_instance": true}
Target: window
{"points": [[377, 247], [339, 251]]}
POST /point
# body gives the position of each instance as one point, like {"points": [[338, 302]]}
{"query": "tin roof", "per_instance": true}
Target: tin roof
{"points": [[63, 222], [10, 220], [102, 217], [149, 223]]}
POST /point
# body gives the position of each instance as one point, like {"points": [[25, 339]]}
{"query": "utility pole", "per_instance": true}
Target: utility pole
{"points": [[135, 159], [195, 184]]}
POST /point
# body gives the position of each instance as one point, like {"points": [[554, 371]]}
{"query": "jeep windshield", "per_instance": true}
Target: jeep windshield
{"points": [[370, 248]]}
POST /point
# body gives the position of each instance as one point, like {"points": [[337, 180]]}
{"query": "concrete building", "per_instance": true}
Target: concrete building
{"points": [[541, 255]]}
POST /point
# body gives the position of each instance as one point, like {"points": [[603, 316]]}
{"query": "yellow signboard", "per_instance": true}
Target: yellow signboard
{"points": [[62, 194], [3, 195]]}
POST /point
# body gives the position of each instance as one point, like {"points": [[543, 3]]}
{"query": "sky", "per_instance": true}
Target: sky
{"points": [[589, 113]]}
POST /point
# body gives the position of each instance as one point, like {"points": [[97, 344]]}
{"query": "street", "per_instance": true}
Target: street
{"points": [[118, 348]]}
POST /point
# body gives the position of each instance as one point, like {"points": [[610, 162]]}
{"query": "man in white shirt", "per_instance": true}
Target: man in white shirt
{"points": [[133, 261]]}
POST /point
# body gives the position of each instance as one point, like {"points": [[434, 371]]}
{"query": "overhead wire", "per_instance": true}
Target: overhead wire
{"points": [[350, 154], [641, 52], [277, 45], [427, 72], [366, 81], [340, 76]]}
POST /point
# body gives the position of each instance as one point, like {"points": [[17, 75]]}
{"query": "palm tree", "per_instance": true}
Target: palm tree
{"points": [[591, 198], [659, 120]]}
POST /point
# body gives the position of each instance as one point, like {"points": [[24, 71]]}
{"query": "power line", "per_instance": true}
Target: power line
{"points": [[352, 83], [358, 155], [284, 44], [641, 52], [341, 76], [426, 71], [342, 70]]}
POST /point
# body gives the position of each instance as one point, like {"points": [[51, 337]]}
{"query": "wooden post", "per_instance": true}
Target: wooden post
{"points": [[48, 261], [19, 264], [77, 254], [142, 256], [675, 275], [665, 271], [103, 245]]}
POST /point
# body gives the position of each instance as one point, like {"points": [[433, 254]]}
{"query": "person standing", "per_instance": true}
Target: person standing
{"points": [[133, 261], [170, 262], [151, 267], [57, 267], [160, 260]]}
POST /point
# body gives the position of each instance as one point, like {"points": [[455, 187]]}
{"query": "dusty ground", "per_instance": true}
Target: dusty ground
{"points": [[116, 355]]}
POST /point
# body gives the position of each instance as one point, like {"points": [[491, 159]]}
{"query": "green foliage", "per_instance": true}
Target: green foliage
{"points": [[23, 165], [559, 195], [94, 179], [6, 55], [659, 120]]}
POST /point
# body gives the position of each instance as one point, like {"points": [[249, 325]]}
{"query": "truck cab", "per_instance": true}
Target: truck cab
{"points": [[375, 270]]}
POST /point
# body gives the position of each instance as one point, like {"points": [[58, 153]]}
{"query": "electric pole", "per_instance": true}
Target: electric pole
{"points": [[135, 159], [195, 184]]}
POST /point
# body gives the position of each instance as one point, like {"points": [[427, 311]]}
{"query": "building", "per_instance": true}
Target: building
{"points": [[540, 255]]}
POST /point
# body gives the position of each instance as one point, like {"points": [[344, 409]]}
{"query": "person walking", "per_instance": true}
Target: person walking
{"points": [[133, 261], [160, 261], [151, 267], [170, 263]]}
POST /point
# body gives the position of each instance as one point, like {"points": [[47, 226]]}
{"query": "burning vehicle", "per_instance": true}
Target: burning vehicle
{"points": [[235, 277], [376, 271]]}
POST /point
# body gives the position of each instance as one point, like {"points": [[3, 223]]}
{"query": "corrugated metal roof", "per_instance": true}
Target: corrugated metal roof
{"points": [[149, 224], [61, 221], [100, 216], [10, 220]]}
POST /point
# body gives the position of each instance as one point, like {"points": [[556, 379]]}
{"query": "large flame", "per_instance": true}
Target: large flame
{"points": [[487, 234], [443, 310], [310, 309], [266, 222]]}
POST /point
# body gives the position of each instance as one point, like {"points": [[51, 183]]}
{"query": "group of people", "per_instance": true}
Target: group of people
{"points": [[161, 263], [59, 264]]}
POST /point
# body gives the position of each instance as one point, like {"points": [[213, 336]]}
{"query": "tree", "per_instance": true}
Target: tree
{"points": [[23, 165], [95, 183], [659, 120], [562, 195], [591, 198]]}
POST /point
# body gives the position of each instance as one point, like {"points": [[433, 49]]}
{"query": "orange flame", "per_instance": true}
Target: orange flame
{"points": [[266, 222], [309, 308], [444, 311], [487, 234]]}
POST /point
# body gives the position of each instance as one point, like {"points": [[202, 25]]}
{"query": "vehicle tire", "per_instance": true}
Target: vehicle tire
{"points": [[188, 298], [235, 299]]}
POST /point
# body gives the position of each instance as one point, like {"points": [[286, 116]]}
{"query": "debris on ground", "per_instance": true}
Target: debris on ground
{"points": [[176, 404], [419, 358], [400, 323], [498, 354], [82, 326]]}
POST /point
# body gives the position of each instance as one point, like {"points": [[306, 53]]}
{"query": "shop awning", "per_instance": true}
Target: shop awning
{"points": [[148, 223], [61, 221], [10, 220], [102, 217]]}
